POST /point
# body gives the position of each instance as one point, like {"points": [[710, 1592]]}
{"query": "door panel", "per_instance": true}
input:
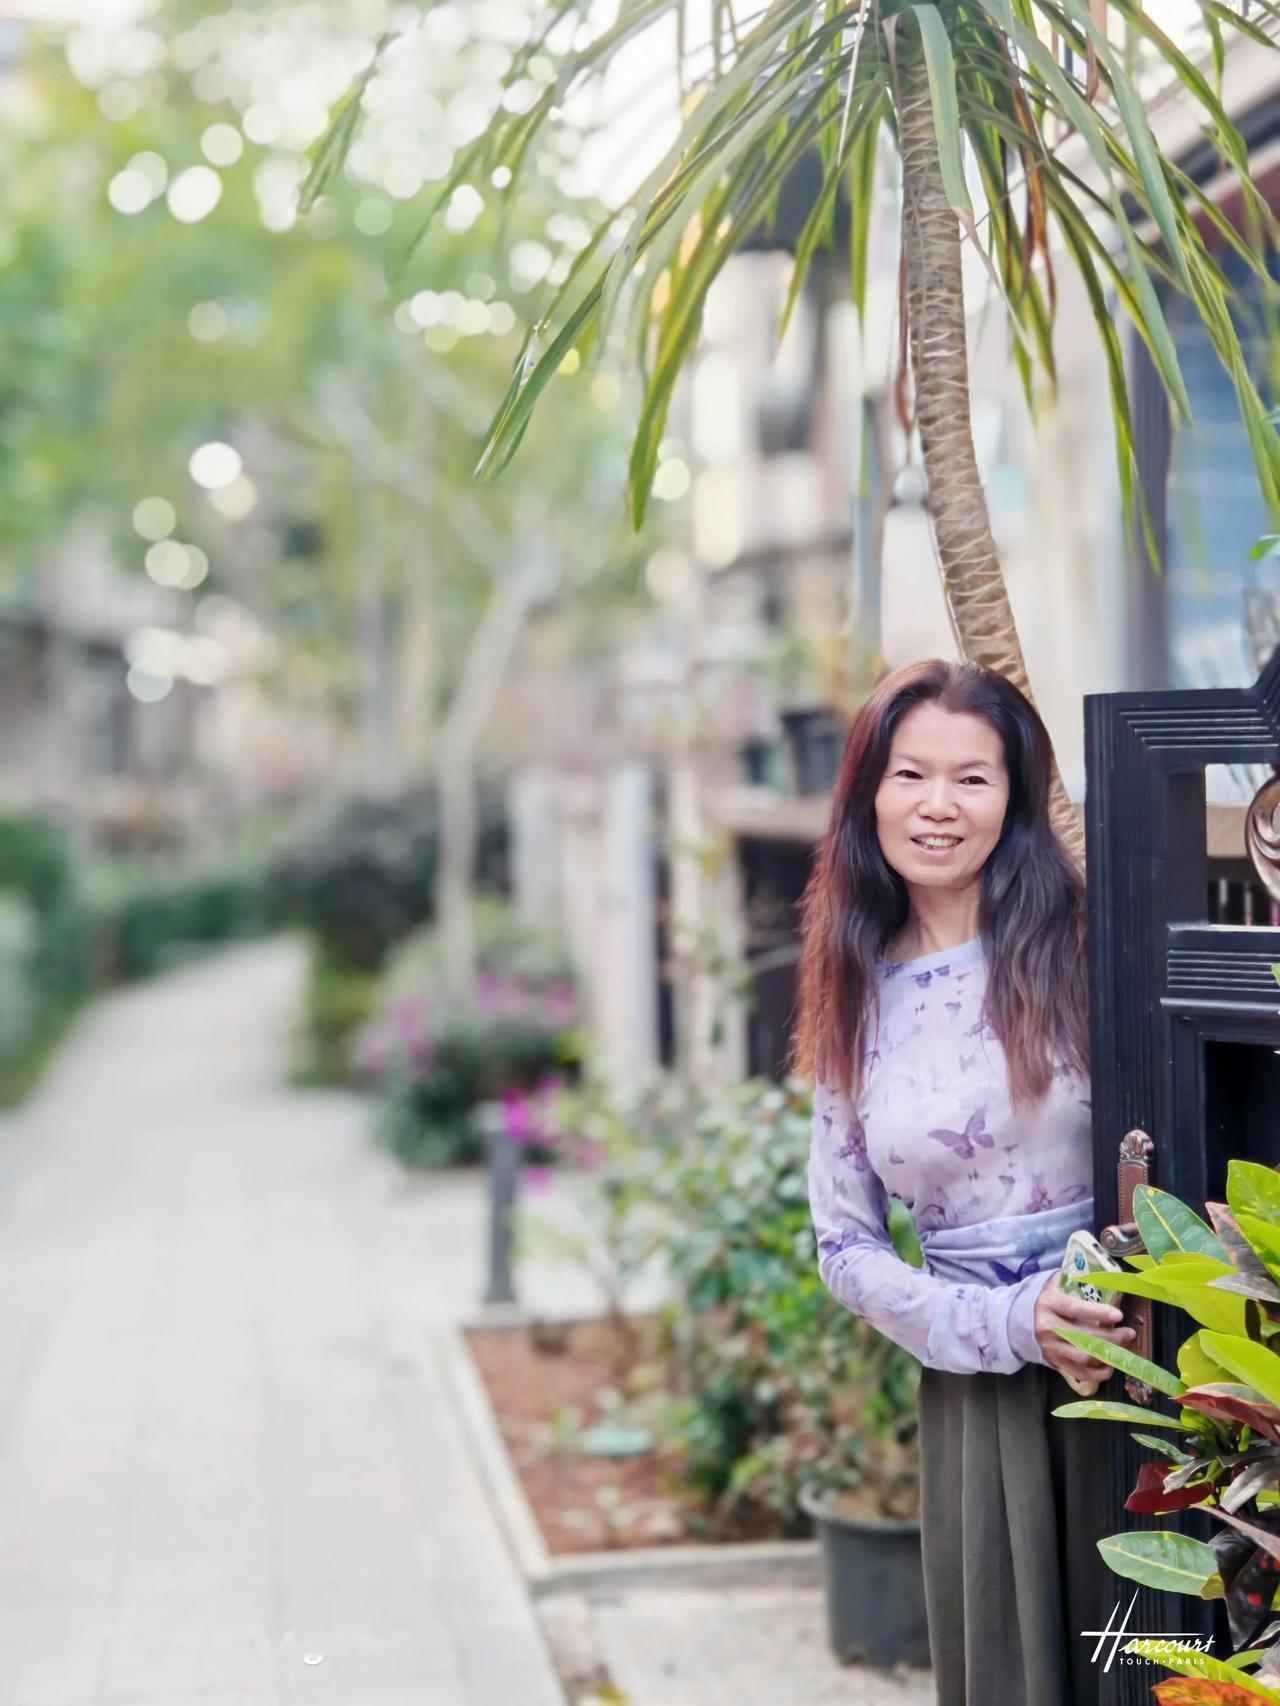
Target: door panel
{"points": [[1184, 1027]]}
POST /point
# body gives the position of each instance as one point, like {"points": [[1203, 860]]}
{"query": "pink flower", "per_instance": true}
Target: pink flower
{"points": [[517, 1117], [537, 1179], [407, 1015]]}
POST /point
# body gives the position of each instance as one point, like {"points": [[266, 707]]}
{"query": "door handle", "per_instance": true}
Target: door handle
{"points": [[1137, 1156]]}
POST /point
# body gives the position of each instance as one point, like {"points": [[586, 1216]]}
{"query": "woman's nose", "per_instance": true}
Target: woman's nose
{"points": [[939, 800]]}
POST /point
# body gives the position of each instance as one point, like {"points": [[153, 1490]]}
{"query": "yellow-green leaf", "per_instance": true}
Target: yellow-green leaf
{"points": [[1128, 1362], [1264, 1240], [1186, 1661], [1166, 1224], [1256, 1365], [1162, 1559], [1105, 1410], [1196, 1366], [1253, 1189]]}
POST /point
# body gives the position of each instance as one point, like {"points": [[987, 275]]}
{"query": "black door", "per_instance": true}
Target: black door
{"points": [[1184, 1026]]}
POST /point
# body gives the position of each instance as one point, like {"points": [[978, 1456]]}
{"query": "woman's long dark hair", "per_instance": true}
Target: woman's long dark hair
{"points": [[1031, 906]]}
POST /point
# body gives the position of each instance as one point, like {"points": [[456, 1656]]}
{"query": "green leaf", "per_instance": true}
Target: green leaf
{"points": [[1263, 1236], [1196, 1366], [1106, 1410], [1125, 1360], [1167, 1224], [1165, 1447], [1150, 321], [1145, 153], [862, 173], [1254, 1364], [1254, 1656], [1181, 1283], [1186, 1661], [941, 70], [1253, 1189], [1162, 1559]]}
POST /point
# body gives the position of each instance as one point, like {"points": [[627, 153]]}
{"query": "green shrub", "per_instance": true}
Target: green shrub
{"points": [[89, 925], [144, 921], [35, 859], [775, 1391], [363, 878], [338, 1002], [45, 948]]}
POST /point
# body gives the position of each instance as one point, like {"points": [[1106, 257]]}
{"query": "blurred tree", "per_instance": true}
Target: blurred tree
{"points": [[161, 293], [981, 91]]}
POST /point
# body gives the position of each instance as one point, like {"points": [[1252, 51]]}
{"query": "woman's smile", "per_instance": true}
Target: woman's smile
{"points": [[941, 801]]}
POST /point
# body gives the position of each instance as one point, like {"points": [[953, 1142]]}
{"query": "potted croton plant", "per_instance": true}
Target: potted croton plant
{"points": [[1217, 1444]]}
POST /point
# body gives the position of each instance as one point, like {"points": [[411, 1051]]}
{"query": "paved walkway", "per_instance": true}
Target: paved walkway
{"points": [[229, 1475]]}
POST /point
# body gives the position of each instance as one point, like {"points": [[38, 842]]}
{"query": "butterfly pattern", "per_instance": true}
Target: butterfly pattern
{"points": [[933, 1126], [962, 1143]]}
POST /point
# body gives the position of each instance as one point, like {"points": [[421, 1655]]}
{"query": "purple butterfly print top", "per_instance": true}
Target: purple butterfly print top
{"points": [[994, 1195]]}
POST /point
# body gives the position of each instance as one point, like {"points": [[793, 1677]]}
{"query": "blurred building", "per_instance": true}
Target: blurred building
{"points": [[139, 718], [807, 565]]}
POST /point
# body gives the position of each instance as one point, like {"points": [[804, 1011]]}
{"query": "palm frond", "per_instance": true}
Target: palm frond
{"points": [[1052, 154]]}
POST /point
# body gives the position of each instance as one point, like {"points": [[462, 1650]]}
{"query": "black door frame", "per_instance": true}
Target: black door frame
{"points": [[1164, 982]]}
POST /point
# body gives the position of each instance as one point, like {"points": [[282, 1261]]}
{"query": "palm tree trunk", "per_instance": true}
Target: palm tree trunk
{"points": [[976, 593]]}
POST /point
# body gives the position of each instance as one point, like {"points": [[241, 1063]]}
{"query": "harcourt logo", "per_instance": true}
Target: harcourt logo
{"points": [[1115, 1633]]}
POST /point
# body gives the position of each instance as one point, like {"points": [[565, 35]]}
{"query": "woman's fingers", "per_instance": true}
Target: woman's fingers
{"points": [[1083, 1366], [1080, 1312]]}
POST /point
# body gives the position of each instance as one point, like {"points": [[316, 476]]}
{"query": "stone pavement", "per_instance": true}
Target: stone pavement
{"points": [[735, 1646], [229, 1472]]}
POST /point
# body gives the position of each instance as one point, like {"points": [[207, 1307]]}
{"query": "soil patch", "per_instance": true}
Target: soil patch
{"points": [[545, 1386]]}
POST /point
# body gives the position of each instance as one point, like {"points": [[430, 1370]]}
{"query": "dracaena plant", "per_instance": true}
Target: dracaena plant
{"points": [[1224, 1452], [971, 95]]}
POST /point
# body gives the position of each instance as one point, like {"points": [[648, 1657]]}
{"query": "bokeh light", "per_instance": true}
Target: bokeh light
{"points": [[214, 465], [222, 145], [150, 689], [208, 321], [236, 500], [194, 194], [154, 518]]}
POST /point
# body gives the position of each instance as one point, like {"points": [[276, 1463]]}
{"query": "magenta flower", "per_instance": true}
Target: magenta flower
{"points": [[517, 1117]]}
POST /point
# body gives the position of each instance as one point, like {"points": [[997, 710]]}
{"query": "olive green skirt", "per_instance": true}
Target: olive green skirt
{"points": [[1012, 1573]]}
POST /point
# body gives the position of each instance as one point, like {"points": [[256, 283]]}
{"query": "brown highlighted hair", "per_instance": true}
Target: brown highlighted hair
{"points": [[1031, 905]]}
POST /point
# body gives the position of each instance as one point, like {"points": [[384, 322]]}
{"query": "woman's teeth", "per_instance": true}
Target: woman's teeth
{"points": [[936, 843]]}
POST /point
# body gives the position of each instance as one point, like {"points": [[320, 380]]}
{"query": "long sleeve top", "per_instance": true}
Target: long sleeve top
{"points": [[994, 1194]]}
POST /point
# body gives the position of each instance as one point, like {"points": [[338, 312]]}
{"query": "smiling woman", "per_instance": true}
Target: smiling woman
{"points": [[941, 804], [943, 1016]]}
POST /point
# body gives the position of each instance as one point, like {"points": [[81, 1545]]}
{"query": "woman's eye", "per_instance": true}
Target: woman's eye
{"points": [[911, 775], [980, 780]]}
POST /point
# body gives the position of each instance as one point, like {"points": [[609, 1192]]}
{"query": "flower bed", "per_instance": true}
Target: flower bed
{"points": [[755, 1388]]}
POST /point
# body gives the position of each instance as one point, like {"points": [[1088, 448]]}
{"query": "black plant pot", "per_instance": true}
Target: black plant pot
{"points": [[762, 763], [816, 739], [874, 1582]]}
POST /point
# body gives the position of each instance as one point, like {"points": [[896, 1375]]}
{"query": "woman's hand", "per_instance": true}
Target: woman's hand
{"points": [[1058, 1308]]}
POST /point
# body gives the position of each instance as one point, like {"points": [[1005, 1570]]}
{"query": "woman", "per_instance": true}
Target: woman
{"points": [[943, 1018]]}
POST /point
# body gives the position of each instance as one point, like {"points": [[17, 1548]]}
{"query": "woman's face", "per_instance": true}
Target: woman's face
{"points": [[941, 802]]}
